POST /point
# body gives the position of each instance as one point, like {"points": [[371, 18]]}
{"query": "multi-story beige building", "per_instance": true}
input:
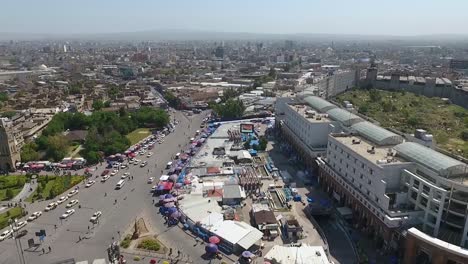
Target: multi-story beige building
{"points": [[9, 153]]}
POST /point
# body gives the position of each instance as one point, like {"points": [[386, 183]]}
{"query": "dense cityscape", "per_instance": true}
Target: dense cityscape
{"points": [[233, 148]]}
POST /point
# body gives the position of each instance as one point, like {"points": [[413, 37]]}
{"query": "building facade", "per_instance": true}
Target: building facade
{"points": [[390, 184], [9, 153]]}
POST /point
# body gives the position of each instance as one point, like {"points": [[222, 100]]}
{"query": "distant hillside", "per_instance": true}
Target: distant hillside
{"points": [[406, 112]]}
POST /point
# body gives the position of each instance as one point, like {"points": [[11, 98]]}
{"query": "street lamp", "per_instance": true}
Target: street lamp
{"points": [[19, 247]]}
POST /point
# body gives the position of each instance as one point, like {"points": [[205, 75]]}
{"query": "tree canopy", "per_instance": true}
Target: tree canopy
{"points": [[231, 109], [106, 133]]}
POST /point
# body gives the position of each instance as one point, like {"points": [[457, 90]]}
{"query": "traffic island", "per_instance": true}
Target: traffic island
{"points": [[140, 239]]}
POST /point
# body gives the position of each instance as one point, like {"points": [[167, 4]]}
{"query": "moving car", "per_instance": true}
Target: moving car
{"points": [[120, 184], [125, 175], [21, 233], [105, 172], [51, 206], [105, 178], [94, 219], [72, 193], [67, 213], [19, 225], [62, 199], [144, 163], [123, 166], [34, 216], [90, 183], [114, 172], [149, 154], [154, 188], [72, 203], [150, 179], [6, 234]]}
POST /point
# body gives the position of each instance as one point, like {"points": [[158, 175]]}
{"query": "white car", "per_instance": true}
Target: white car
{"points": [[95, 217], [116, 165], [144, 163], [114, 172], [150, 180], [123, 166], [72, 193], [154, 188], [51, 206], [67, 213], [19, 225], [105, 178], [125, 175], [149, 154], [90, 183], [34, 216], [72, 203], [62, 199], [142, 152], [6, 234]]}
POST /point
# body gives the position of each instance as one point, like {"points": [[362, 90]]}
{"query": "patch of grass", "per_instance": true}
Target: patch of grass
{"points": [[406, 112], [125, 243], [136, 135], [52, 186], [12, 213], [14, 183], [149, 244]]}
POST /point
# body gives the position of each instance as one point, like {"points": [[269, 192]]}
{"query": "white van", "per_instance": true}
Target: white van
{"points": [[177, 155], [120, 184], [168, 165]]}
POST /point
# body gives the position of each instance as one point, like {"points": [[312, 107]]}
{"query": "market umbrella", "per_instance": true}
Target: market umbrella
{"points": [[171, 210], [169, 205], [247, 254], [214, 239], [169, 200], [211, 248], [173, 177], [167, 196], [178, 185], [176, 214]]}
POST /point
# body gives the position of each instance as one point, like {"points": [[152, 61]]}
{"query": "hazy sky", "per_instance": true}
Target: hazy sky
{"points": [[384, 17]]}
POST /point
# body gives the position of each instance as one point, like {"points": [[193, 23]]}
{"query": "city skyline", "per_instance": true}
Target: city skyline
{"points": [[362, 17]]}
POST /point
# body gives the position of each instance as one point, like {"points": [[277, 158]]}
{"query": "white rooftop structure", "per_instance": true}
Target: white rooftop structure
{"points": [[304, 254], [239, 233]]}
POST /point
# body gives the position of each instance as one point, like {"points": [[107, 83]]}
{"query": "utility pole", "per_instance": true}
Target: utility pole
{"points": [[19, 247]]}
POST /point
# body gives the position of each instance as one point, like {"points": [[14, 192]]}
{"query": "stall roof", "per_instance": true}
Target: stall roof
{"points": [[236, 232], [304, 254]]}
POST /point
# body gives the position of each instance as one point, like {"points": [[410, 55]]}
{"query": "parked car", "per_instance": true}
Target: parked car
{"points": [[19, 225], [144, 163], [21, 233], [90, 183], [105, 178], [51, 206], [114, 172], [6, 234], [105, 172], [72, 203], [67, 213], [150, 180], [125, 175], [34, 216], [94, 219], [62, 199], [72, 193]]}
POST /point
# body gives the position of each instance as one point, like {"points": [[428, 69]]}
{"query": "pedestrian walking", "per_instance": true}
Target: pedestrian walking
{"points": [[79, 238], [88, 228], [50, 249], [43, 251]]}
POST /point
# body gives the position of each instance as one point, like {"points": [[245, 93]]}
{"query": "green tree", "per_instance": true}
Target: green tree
{"points": [[272, 73], [263, 142], [57, 148], [363, 109], [464, 135], [9, 194], [172, 100], [231, 109], [3, 97], [98, 105], [29, 152], [375, 95]]}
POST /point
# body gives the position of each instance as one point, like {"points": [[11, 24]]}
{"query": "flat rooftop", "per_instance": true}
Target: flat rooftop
{"points": [[364, 149], [307, 113]]}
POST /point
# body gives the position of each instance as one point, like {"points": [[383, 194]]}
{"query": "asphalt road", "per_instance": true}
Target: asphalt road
{"points": [[132, 200]]}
